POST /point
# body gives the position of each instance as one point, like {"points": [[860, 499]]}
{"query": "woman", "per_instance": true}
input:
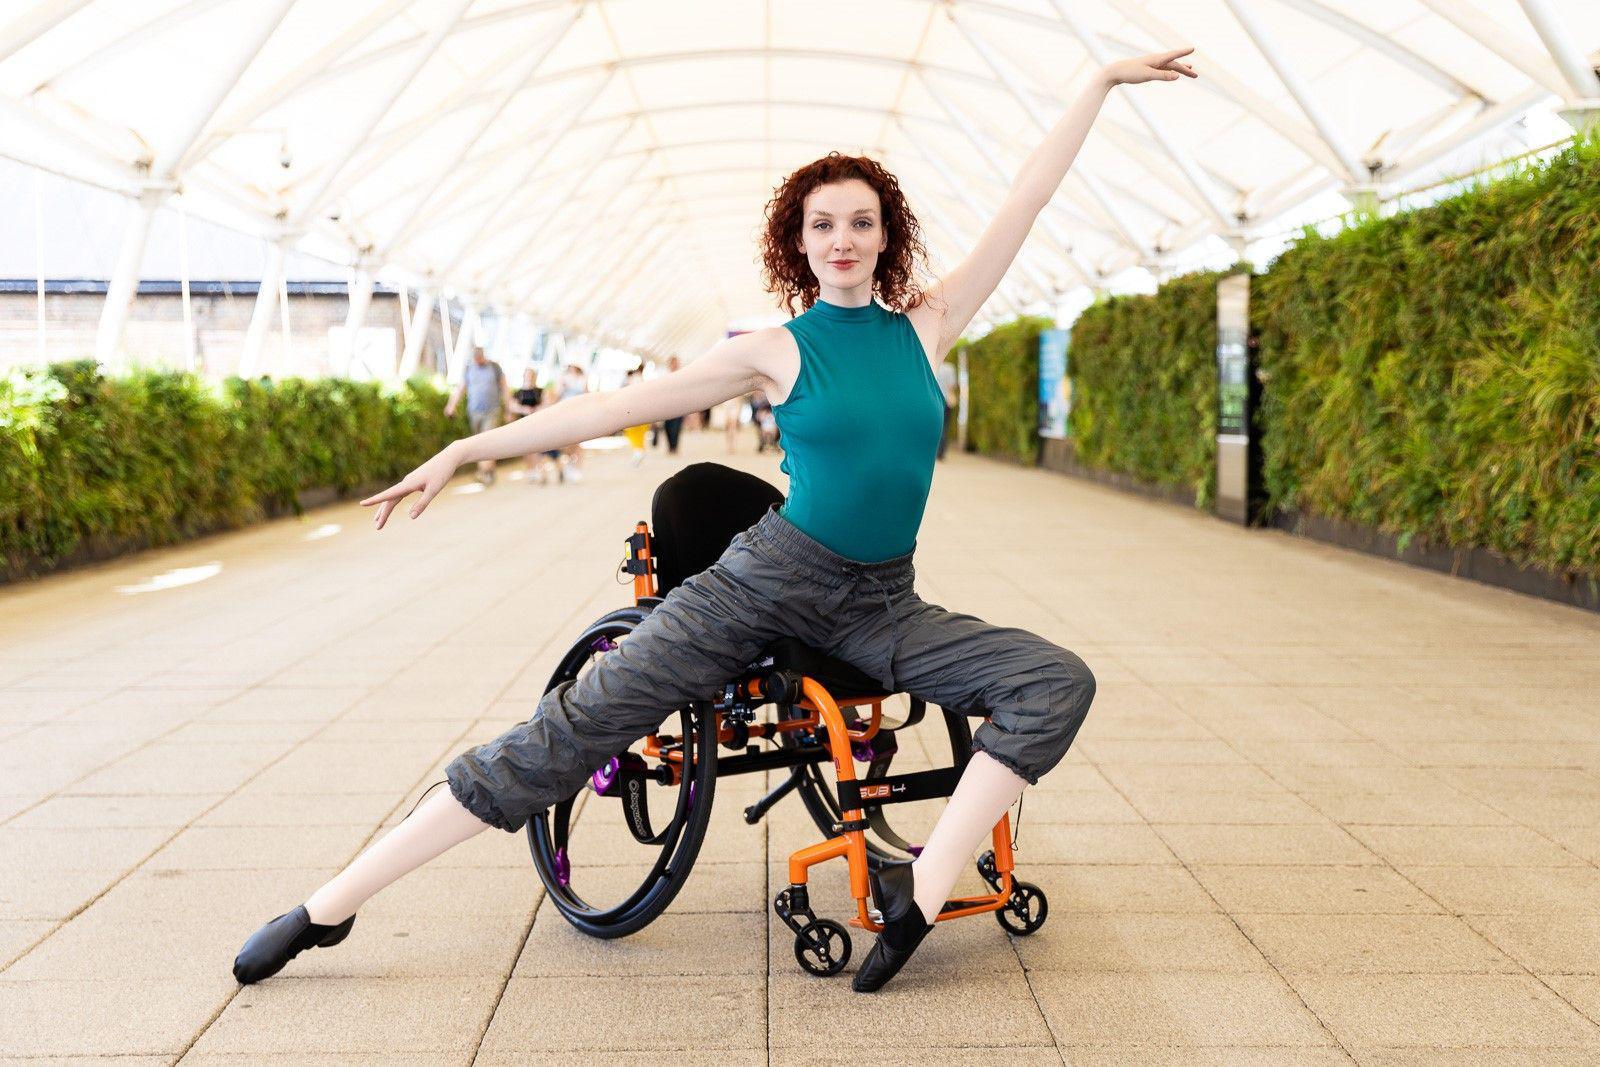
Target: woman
{"points": [[860, 410], [635, 434]]}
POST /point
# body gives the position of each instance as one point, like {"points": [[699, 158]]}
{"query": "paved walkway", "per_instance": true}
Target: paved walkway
{"points": [[1326, 808]]}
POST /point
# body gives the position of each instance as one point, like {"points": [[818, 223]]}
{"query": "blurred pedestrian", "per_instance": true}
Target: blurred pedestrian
{"points": [[573, 383], [488, 398], [673, 428], [526, 401], [635, 434]]}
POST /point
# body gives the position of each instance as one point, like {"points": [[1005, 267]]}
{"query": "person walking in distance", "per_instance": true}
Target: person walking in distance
{"points": [[853, 383], [673, 427], [488, 397], [573, 383], [525, 402], [946, 377]]}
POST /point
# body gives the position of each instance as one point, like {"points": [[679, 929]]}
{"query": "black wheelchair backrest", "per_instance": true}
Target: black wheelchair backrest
{"points": [[697, 512]]}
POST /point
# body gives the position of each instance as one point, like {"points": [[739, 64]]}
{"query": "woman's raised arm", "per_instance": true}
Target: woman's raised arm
{"points": [[957, 296], [732, 367]]}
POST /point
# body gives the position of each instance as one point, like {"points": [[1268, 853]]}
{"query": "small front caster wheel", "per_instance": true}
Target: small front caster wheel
{"points": [[1026, 910], [987, 870], [822, 947]]}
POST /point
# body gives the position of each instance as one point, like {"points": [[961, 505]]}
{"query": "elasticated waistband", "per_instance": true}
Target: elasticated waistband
{"points": [[802, 550]]}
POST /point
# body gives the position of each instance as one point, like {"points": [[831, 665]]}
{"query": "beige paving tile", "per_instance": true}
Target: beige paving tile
{"points": [[352, 1015], [1126, 888], [106, 1017], [701, 1012], [1557, 943], [1582, 991], [1137, 780], [1079, 807], [1200, 1056], [930, 1009], [1243, 808], [1267, 845], [1187, 1008], [874, 1054], [1508, 891], [459, 1058], [108, 813], [1101, 843], [1442, 806], [1474, 1054], [249, 848], [1466, 846], [1373, 944], [1320, 889], [1449, 1010], [1138, 944], [700, 944], [253, 806], [28, 894], [16, 935]]}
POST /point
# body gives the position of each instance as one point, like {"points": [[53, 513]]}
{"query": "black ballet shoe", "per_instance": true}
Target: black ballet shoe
{"points": [[281, 940], [903, 927]]}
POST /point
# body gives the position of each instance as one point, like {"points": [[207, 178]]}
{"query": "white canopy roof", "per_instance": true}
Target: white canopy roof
{"points": [[603, 164]]}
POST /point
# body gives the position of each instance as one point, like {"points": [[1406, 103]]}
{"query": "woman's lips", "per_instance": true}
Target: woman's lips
{"points": [[842, 264]]}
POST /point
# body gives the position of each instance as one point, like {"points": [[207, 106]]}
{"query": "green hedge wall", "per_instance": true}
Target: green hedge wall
{"points": [[90, 464], [1437, 374], [1003, 389], [1144, 385]]}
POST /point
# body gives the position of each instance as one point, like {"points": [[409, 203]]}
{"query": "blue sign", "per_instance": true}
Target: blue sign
{"points": [[1055, 389]]}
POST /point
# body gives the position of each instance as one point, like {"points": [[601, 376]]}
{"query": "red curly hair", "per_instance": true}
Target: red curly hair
{"points": [[785, 269]]}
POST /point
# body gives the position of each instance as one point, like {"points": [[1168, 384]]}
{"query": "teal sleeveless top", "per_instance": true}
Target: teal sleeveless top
{"points": [[859, 431]]}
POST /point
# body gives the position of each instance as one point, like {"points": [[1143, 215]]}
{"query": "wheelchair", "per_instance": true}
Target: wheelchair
{"points": [[645, 811]]}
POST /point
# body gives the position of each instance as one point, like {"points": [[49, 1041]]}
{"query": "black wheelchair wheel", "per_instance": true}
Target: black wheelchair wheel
{"points": [[607, 870], [889, 840], [1026, 911], [822, 947]]}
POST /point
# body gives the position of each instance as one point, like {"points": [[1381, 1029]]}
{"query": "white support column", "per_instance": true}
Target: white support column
{"points": [[457, 358], [1024, 98], [515, 85], [191, 345], [518, 188], [359, 289], [445, 328], [200, 101], [38, 258], [1583, 106], [1289, 75], [419, 335], [20, 32], [1492, 35], [125, 281], [356, 135], [261, 317], [1182, 160], [979, 211], [958, 118]]}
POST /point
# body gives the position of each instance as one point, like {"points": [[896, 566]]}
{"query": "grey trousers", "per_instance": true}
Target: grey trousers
{"points": [[775, 581]]}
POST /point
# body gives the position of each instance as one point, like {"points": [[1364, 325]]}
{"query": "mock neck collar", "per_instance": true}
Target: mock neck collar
{"points": [[865, 313]]}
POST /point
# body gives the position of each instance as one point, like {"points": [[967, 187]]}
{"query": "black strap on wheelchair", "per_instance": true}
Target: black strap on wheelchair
{"points": [[632, 778], [898, 788]]}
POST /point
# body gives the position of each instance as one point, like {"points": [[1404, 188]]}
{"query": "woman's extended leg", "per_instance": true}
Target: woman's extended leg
{"points": [[439, 823], [1036, 695]]}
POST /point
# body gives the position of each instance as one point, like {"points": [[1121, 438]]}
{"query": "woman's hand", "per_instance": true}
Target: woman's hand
{"points": [[1157, 66], [427, 479]]}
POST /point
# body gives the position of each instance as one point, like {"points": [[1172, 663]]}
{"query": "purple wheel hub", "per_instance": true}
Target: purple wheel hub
{"points": [[603, 644], [862, 751], [915, 850], [604, 780], [563, 868]]}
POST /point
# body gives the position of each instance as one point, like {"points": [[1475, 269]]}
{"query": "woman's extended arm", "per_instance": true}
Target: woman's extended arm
{"points": [[729, 369], [957, 297]]}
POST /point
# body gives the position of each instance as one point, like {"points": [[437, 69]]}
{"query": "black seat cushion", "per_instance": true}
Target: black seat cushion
{"points": [[836, 676], [697, 512]]}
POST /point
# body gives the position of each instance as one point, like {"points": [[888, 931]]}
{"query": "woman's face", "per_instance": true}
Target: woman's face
{"points": [[842, 233]]}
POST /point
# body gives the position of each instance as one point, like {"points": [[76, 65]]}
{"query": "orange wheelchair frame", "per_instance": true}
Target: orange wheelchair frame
{"points": [[822, 946]]}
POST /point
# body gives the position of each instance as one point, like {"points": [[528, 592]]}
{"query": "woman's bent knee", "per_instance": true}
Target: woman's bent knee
{"points": [[1034, 735]]}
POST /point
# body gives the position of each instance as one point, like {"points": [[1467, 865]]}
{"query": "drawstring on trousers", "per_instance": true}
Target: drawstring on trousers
{"points": [[888, 606]]}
